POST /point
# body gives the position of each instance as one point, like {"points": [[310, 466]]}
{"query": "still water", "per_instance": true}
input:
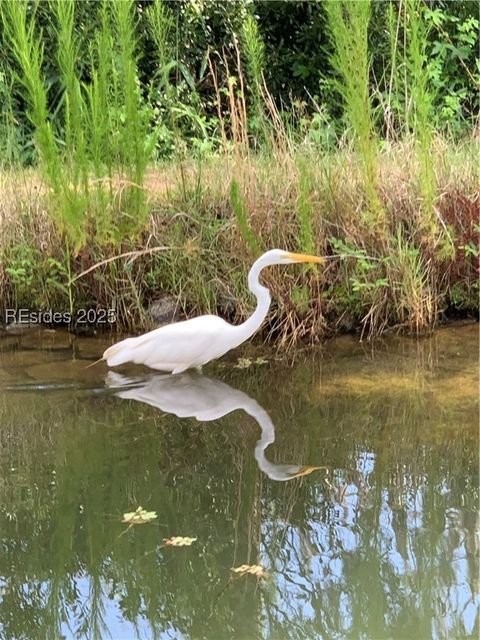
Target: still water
{"points": [[379, 542]]}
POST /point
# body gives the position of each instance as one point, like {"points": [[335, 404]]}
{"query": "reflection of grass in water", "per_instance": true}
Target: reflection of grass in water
{"points": [[457, 389], [438, 373], [366, 384]]}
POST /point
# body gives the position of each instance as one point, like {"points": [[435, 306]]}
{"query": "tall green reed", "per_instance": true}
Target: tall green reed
{"points": [[10, 134], [75, 170], [92, 143], [392, 107], [73, 108], [134, 147], [254, 51], [27, 49], [348, 23], [161, 26], [419, 108]]}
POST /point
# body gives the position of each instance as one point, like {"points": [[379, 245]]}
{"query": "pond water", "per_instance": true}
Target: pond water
{"points": [[380, 541]]}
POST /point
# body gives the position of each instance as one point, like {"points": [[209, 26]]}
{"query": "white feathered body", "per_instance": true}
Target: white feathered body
{"points": [[176, 347]]}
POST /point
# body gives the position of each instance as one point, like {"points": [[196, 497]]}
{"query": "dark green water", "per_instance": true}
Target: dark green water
{"points": [[381, 542]]}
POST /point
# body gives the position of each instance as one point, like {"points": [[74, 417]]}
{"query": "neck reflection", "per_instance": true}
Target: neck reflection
{"points": [[192, 395]]}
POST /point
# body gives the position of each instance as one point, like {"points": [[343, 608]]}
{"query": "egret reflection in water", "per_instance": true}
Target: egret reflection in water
{"points": [[192, 395]]}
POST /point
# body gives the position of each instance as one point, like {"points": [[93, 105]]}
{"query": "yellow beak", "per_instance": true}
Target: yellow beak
{"points": [[302, 257]]}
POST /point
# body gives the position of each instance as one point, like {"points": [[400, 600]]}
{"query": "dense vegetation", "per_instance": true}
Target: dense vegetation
{"points": [[210, 131]]}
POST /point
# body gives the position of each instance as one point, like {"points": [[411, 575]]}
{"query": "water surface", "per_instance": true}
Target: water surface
{"points": [[378, 542]]}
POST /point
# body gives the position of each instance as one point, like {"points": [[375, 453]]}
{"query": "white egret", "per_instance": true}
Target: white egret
{"points": [[191, 395], [192, 343]]}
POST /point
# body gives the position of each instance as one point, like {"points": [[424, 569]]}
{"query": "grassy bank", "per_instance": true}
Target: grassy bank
{"points": [[398, 275], [193, 189]]}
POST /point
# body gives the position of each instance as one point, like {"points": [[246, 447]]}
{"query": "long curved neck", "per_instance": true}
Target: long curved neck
{"points": [[250, 326]]}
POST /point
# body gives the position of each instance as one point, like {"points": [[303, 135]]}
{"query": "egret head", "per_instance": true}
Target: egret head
{"points": [[278, 256]]}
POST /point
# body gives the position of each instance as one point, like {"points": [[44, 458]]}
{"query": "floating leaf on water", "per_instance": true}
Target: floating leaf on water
{"points": [[253, 569], [140, 516], [179, 541], [245, 363]]}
